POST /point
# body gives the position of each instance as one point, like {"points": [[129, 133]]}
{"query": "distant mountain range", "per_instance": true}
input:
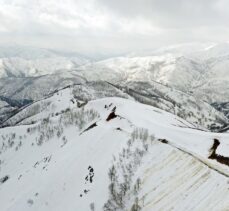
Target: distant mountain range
{"points": [[81, 148], [183, 72], [31, 62], [141, 132]]}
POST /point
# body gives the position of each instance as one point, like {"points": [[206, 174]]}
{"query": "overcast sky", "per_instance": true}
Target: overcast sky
{"points": [[112, 26]]}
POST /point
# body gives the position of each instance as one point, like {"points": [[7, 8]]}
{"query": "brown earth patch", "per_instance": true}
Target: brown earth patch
{"points": [[214, 156]]}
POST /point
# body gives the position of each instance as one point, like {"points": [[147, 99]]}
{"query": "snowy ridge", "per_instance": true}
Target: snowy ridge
{"points": [[6, 110], [127, 133], [198, 70], [186, 106], [17, 61], [62, 149], [36, 88], [197, 112], [203, 72]]}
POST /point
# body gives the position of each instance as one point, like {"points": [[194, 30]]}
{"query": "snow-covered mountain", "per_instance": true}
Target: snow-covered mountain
{"points": [[109, 154], [186, 106], [123, 134], [6, 110], [15, 93], [196, 111], [17, 61], [35, 88], [222, 107], [202, 72]]}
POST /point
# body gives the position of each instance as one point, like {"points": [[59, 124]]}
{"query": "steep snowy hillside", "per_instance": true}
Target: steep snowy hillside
{"points": [[167, 69], [199, 70], [20, 92], [197, 112], [6, 110], [111, 154], [203, 72], [222, 107], [35, 88], [186, 106], [62, 100], [31, 62]]}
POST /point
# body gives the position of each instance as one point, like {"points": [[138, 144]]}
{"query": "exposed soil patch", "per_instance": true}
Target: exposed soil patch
{"points": [[111, 116], [164, 141], [114, 109], [90, 127], [108, 106], [4, 179], [90, 175], [81, 104], [214, 156], [213, 148], [88, 178]]}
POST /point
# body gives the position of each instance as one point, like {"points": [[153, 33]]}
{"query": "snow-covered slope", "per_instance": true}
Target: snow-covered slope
{"points": [[167, 69], [186, 106], [200, 73], [31, 62], [223, 107], [197, 112], [35, 88], [20, 92], [6, 110], [110, 154], [60, 100], [203, 72]]}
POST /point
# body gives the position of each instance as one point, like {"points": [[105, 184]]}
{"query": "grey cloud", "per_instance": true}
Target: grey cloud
{"points": [[173, 13], [112, 25]]}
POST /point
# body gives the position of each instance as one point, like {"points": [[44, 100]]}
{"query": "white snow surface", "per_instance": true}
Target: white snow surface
{"points": [[177, 175], [203, 72], [21, 61], [200, 69]]}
